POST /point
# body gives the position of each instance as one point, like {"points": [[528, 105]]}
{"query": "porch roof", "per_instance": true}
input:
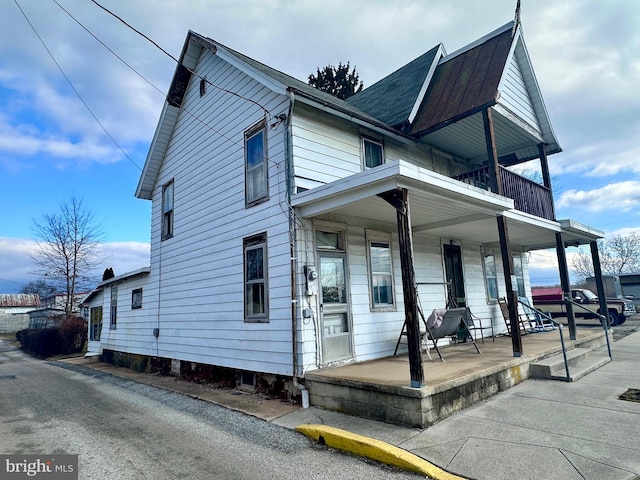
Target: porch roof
{"points": [[439, 206]]}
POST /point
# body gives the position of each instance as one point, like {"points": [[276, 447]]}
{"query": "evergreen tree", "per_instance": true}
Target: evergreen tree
{"points": [[340, 81]]}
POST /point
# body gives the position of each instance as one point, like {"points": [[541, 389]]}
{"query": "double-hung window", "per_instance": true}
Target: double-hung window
{"points": [[380, 271], [95, 324], [114, 307], [255, 153], [373, 152], [490, 276], [255, 279], [167, 210]]}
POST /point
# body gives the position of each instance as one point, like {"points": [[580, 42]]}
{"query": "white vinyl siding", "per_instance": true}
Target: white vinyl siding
{"points": [[197, 283], [515, 96]]}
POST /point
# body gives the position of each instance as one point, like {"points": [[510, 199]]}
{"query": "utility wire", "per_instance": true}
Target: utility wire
{"points": [[178, 61], [74, 88]]}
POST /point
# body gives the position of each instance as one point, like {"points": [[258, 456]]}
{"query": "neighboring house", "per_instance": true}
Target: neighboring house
{"points": [[52, 310], [285, 221], [14, 310], [116, 307]]}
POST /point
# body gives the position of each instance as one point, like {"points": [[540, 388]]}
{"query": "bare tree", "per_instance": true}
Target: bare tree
{"points": [[42, 288], [618, 254], [68, 244]]}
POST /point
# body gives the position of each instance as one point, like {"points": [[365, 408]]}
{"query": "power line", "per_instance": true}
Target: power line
{"points": [[178, 61], [73, 88]]}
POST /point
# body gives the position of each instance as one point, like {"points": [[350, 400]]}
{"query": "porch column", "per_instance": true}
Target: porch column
{"points": [[399, 199], [564, 282], [492, 152], [597, 272], [544, 167], [512, 294]]}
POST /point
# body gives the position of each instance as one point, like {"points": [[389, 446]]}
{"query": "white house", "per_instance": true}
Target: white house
{"points": [[285, 221]]}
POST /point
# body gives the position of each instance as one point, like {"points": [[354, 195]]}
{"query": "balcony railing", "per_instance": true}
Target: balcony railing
{"points": [[528, 196]]}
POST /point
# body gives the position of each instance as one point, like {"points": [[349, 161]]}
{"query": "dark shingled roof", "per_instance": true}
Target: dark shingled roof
{"points": [[463, 84], [391, 99]]}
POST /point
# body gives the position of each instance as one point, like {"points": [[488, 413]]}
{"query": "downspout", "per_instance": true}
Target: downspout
{"points": [[292, 248]]}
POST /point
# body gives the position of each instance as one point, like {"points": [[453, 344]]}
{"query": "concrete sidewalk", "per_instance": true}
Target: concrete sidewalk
{"points": [[538, 429]]}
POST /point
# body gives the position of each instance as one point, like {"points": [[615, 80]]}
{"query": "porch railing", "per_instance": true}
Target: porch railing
{"points": [[528, 196], [604, 320]]}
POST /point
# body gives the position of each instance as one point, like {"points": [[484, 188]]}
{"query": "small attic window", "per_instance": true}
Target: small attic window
{"points": [[203, 86]]}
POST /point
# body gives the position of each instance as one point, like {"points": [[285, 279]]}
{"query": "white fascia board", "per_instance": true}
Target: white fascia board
{"points": [[157, 149], [395, 174], [479, 41], [572, 226], [261, 77], [425, 85], [523, 217]]}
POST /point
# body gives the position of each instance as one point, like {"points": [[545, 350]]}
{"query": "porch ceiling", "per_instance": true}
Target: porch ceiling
{"points": [[515, 139], [439, 206]]}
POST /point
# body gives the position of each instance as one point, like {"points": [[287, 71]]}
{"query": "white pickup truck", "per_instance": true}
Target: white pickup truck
{"points": [[550, 300]]}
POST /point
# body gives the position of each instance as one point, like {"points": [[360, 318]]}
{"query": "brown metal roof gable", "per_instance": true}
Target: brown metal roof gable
{"points": [[463, 84]]}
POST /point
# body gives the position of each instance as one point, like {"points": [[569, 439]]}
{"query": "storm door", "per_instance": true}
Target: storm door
{"points": [[454, 276], [335, 324]]}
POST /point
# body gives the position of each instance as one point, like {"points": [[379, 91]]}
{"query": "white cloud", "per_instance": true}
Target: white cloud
{"points": [[18, 268], [621, 196]]}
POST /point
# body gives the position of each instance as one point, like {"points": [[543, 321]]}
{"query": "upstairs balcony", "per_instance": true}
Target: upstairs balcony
{"points": [[527, 195]]}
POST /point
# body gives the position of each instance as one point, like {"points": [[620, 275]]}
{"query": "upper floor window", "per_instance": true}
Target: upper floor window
{"points": [[373, 153], [380, 272], [255, 152], [167, 210], [490, 276], [255, 279]]}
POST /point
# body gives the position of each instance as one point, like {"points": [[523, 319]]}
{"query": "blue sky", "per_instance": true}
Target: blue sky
{"points": [[586, 55]]}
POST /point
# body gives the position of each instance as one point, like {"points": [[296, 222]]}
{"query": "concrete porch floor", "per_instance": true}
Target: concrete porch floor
{"points": [[380, 389]]}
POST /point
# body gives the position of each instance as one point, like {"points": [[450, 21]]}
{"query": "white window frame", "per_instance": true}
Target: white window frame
{"points": [[250, 244], [380, 239], [95, 323], [371, 141], [167, 207], [490, 277], [254, 195]]}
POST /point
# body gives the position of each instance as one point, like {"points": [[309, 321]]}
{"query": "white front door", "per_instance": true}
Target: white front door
{"points": [[334, 307]]}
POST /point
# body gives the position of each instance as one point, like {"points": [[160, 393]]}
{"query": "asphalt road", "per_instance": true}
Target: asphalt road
{"points": [[124, 430]]}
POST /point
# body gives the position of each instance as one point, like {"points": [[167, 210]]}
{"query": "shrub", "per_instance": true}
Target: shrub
{"points": [[69, 337], [74, 334]]}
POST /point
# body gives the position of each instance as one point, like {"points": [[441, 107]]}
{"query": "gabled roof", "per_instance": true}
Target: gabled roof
{"points": [[465, 82], [125, 276], [392, 99]]}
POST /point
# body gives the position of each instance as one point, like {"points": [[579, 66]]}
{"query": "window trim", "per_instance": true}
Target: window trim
{"points": [[255, 242], [519, 276], [380, 238], [113, 308], [95, 323], [259, 128], [134, 294], [374, 141], [168, 216], [486, 252]]}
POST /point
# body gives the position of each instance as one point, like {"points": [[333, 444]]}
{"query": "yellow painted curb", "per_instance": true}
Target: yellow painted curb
{"points": [[374, 449]]}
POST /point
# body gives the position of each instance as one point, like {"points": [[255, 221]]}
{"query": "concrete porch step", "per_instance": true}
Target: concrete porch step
{"points": [[582, 361]]}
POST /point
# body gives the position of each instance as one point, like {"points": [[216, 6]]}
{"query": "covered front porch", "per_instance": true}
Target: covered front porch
{"points": [[379, 389]]}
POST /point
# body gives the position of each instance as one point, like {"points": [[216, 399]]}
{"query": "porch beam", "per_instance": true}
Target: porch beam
{"points": [[597, 272], [452, 221], [492, 152], [399, 199], [512, 294], [546, 177], [563, 270]]}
